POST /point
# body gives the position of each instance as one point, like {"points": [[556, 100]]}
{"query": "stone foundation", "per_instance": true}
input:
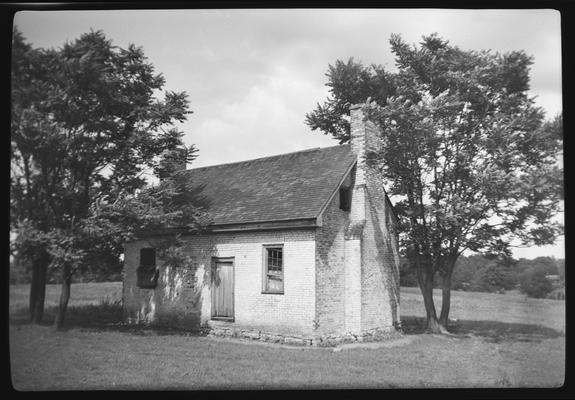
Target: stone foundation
{"points": [[374, 335]]}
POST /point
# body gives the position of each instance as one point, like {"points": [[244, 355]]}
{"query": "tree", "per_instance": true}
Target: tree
{"points": [[549, 264], [534, 282], [349, 83], [467, 155], [86, 125], [465, 270], [492, 278]]}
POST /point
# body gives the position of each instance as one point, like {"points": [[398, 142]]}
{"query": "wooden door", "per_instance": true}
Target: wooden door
{"points": [[223, 290]]}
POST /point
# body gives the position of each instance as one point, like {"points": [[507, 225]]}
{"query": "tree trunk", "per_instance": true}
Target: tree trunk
{"points": [[64, 296], [38, 288], [33, 291], [445, 299], [425, 279]]}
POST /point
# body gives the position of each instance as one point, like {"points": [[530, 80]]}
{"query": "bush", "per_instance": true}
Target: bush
{"points": [[462, 277], [494, 277], [535, 284], [465, 270], [549, 264]]}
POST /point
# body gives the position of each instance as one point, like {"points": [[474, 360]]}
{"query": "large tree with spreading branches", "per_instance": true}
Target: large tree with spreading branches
{"points": [[88, 120], [469, 158]]}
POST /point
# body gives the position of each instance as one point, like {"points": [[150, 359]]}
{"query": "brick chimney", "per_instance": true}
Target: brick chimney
{"points": [[371, 253], [363, 137]]}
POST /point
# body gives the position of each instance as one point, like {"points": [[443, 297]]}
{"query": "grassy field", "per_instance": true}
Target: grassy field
{"points": [[499, 341]]}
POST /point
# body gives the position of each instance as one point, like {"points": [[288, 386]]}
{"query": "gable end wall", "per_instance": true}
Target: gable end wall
{"points": [[330, 269]]}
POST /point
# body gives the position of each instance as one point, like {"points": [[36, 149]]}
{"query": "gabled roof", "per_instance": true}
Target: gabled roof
{"points": [[285, 187]]}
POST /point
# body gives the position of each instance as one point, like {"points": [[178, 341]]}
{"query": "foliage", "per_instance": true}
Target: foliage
{"points": [[479, 165], [87, 123], [465, 270], [19, 273], [561, 269], [349, 83], [491, 278], [173, 205], [407, 274], [533, 281], [476, 273], [548, 264], [535, 284], [468, 157]]}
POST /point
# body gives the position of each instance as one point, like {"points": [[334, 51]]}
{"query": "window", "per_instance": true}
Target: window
{"points": [[273, 269], [147, 273], [345, 199]]}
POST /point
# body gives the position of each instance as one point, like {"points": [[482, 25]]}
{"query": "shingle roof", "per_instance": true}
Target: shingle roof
{"points": [[283, 187]]}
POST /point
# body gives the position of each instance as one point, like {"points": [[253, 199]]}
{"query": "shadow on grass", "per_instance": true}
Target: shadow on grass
{"points": [[492, 331], [106, 316]]}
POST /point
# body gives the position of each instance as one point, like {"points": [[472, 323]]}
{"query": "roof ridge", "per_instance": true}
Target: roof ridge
{"points": [[266, 157]]}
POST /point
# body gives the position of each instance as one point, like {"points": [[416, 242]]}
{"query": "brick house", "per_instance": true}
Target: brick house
{"points": [[302, 248]]}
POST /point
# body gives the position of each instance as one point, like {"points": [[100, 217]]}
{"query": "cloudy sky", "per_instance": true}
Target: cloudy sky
{"points": [[252, 75]]}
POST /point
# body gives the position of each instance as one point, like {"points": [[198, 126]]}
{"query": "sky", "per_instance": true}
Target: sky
{"points": [[252, 75]]}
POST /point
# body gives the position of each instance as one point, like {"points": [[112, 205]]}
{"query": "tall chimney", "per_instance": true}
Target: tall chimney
{"points": [[363, 137], [371, 253]]}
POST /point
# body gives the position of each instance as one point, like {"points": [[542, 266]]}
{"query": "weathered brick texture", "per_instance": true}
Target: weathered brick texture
{"points": [[183, 298], [379, 252], [330, 270]]}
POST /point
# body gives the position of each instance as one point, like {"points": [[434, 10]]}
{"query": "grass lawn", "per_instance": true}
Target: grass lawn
{"points": [[500, 341]]}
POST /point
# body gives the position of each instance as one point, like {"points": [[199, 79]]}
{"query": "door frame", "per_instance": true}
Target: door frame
{"points": [[215, 262]]}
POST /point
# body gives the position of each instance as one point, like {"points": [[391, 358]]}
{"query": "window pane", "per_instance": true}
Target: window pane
{"points": [[274, 259], [275, 284], [274, 269]]}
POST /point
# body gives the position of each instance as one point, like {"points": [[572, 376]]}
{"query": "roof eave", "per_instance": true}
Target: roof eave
{"points": [[301, 223]]}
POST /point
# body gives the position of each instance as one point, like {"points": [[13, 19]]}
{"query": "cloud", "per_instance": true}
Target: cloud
{"points": [[252, 75], [267, 120]]}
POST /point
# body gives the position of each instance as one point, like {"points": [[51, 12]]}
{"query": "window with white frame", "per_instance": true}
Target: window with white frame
{"points": [[273, 281]]}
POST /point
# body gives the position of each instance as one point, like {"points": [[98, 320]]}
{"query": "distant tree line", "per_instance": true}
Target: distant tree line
{"points": [[20, 272], [485, 273], [476, 273]]}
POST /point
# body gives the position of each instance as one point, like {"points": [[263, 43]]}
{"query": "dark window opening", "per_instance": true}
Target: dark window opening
{"points": [[273, 270], [147, 273], [345, 199], [148, 257]]}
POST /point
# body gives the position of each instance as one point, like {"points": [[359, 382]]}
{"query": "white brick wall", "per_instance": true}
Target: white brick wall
{"points": [[353, 286], [330, 269], [293, 311]]}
